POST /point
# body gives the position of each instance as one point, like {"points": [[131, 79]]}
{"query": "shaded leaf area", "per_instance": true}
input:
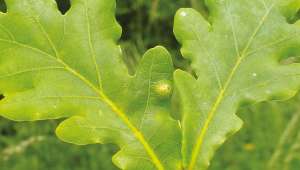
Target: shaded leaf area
{"points": [[63, 5], [3, 7], [1, 96], [146, 24]]}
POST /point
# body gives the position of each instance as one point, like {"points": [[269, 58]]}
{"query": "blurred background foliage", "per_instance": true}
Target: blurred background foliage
{"points": [[270, 139]]}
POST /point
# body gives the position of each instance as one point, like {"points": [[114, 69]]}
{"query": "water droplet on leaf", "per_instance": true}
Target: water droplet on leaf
{"points": [[183, 14]]}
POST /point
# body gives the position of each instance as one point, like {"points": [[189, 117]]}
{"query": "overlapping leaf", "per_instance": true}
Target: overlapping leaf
{"points": [[54, 66], [238, 57]]}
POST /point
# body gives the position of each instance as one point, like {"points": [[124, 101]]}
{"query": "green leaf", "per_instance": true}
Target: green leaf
{"points": [[238, 58], [55, 66]]}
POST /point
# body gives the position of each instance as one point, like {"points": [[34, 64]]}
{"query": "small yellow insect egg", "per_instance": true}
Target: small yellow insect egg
{"points": [[163, 88]]}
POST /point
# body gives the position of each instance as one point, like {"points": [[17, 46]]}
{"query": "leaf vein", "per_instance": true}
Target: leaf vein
{"points": [[200, 139], [29, 70], [92, 49]]}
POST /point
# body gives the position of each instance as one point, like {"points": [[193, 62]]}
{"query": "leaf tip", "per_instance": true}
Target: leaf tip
{"points": [[180, 74], [158, 49], [160, 54]]}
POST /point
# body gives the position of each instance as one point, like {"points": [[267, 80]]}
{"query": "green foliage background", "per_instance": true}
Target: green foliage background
{"points": [[147, 23]]}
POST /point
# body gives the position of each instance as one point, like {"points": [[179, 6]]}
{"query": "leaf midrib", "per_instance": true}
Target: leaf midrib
{"points": [[200, 139], [136, 132], [139, 136]]}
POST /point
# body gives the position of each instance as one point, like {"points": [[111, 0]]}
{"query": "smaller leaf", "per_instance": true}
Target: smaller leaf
{"points": [[236, 58]]}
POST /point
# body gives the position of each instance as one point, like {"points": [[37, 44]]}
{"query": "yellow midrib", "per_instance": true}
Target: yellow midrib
{"points": [[122, 115], [219, 99], [139, 136], [124, 118]]}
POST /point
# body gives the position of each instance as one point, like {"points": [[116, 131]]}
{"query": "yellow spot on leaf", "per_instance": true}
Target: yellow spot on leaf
{"points": [[163, 88]]}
